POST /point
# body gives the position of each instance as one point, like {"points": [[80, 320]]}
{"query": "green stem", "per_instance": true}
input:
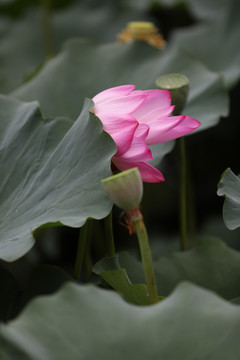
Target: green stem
{"points": [[191, 211], [183, 194], [147, 260], [47, 29], [82, 241], [87, 260], [109, 239]]}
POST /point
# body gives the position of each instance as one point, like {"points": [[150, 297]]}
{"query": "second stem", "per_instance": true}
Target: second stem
{"points": [[147, 260]]}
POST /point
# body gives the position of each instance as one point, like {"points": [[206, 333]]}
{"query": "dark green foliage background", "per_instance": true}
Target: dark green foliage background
{"points": [[75, 59]]}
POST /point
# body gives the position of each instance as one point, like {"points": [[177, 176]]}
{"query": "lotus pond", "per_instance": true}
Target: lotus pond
{"points": [[119, 179]]}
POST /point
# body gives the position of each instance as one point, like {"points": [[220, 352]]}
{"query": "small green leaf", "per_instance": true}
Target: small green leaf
{"points": [[229, 187], [119, 281], [211, 264]]}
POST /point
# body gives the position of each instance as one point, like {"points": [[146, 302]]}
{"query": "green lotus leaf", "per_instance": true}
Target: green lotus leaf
{"points": [[211, 264], [110, 271], [213, 40], [207, 10], [85, 68], [204, 10], [215, 43], [51, 172], [101, 21], [229, 187], [214, 226], [85, 322], [119, 281], [23, 48]]}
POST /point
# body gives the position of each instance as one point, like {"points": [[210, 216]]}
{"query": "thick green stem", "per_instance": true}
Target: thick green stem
{"points": [[82, 241], [183, 194], [109, 239], [147, 260], [47, 29]]}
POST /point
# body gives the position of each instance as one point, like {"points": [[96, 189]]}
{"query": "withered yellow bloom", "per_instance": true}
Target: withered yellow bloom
{"points": [[144, 31]]}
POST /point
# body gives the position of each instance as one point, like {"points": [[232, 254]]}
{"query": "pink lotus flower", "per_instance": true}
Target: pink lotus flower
{"points": [[136, 119]]}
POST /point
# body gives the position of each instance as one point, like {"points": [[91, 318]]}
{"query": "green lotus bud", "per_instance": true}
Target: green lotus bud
{"points": [[125, 189], [178, 85]]}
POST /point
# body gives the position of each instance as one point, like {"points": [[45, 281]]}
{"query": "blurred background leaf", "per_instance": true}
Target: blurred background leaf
{"points": [[85, 68], [24, 46], [78, 317], [210, 264], [202, 42], [215, 44]]}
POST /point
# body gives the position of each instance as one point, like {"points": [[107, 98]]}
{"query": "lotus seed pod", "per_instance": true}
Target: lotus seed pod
{"points": [[125, 189], [178, 85]]}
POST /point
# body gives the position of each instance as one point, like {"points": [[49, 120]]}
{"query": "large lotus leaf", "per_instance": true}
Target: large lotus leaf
{"points": [[214, 226], [211, 264], [84, 322], [102, 21], [220, 30], [23, 48], [84, 68], [204, 9], [229, 187], [49, 173], [216, 44]]}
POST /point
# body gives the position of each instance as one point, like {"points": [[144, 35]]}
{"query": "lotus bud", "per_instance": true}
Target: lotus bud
{"points": [[178, 85], [125, 189]]}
